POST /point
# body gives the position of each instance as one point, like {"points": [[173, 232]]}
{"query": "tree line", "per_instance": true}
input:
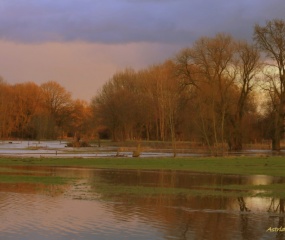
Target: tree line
{"points": [[220, 91], [29, 111]]}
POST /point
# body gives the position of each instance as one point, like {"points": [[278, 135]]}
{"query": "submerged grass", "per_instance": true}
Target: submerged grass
{"points": [[14, 175], [272, 191], [272, 166], [54, 180], [269, 190], [122, 190]]}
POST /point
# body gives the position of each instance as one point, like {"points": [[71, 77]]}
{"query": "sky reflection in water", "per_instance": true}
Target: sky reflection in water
{"points": [[88, 208]]}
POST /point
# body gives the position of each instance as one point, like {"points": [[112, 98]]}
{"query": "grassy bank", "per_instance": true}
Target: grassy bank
{"points": [[272, 166]]}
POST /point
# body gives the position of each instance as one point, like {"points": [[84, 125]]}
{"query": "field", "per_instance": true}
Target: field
{"points": [[272, 166]]}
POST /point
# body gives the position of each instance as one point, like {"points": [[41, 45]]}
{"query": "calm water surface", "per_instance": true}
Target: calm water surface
{"points": [[109, 204]]}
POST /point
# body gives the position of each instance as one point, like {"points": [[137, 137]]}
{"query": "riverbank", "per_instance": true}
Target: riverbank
{"points": [[271, 166]]}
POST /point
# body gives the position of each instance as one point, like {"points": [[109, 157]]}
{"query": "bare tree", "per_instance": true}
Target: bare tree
{"points": [[271, 40], [57, 102], [208, 66], [220, 74], [247, 67], [117, 106]]}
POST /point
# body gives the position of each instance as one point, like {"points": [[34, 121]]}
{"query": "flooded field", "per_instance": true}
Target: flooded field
{"points": [[59, 149], [78, 203]]}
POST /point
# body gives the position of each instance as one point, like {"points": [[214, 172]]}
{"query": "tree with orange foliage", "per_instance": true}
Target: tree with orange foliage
{"points": [[27, 104], [58, 104], [81, 124], [6, 109]]}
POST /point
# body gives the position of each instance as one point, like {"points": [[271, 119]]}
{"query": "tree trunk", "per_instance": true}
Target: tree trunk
{"points": [[236, 141], [236, 138], [276, 143], [278, 129]]}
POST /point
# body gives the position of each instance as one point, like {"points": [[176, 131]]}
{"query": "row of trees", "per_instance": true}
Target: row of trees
{"points": [[41, 112], [219, 91], [156, 104]]}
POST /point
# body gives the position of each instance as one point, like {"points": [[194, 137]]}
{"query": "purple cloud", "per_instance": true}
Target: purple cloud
{"points": [[121, 21]]}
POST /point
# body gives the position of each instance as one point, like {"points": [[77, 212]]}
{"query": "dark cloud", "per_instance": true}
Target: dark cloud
{"points": [[87, 41], [122, 21]]}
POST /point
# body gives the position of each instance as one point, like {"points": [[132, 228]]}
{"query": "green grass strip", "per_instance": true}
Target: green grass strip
{"points": [[272, 166]]}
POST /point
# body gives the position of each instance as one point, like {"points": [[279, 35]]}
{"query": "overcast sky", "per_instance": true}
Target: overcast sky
{"points": [[82, 43]]}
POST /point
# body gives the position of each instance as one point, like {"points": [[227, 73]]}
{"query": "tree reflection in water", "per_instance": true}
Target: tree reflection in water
{"points": [[173, 215], [277, 207], [245, 225], [242, 205], [188, 217]]}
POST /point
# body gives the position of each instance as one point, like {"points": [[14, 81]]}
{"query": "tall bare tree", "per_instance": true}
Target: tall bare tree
{"points": [[208, 66], [271, 40], [118, 105], [57, 102], [220, 74], [247, 68]]}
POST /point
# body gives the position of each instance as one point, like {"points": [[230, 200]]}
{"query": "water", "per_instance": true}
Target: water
{"points": [[59, 149], [105, 204], [40, 217]]}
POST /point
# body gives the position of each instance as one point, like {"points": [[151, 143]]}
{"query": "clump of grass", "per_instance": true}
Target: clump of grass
{"points": [[137, 152]]}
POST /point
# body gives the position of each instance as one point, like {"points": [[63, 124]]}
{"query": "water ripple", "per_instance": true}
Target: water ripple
{"points": [[84, 212], [45, 217]]}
